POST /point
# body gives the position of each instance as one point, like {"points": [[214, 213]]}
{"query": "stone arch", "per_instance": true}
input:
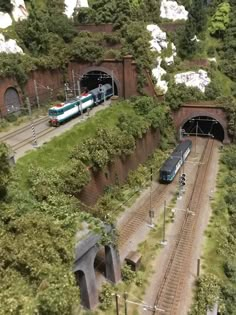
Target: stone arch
{"points": [[82, 283], [85, 254], [196, 113], [105, 70], [12, 100]]}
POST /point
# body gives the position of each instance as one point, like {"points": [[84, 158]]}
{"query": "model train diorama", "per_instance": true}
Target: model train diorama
{"points": [[62, 112], [171, 166]]}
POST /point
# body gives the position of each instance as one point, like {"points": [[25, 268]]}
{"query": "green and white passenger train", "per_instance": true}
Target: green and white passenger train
{"points": [[62, 112]]}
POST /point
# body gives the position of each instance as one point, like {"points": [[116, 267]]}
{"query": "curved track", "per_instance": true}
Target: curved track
{"points": [[169, 293]]}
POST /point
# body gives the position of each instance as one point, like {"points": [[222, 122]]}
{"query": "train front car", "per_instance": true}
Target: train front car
{"points": [[172, 165], [54, 114], [61, 112]]}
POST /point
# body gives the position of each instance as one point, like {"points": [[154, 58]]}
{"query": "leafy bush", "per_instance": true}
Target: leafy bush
{"points": [[74, 176], [5, 172], [105, 297], [127, 274], [208, 292], [230, 269], [177, 94], [11, 117]]}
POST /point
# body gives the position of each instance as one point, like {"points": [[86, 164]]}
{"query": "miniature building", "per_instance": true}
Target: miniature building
{"points": [[133, 260]]}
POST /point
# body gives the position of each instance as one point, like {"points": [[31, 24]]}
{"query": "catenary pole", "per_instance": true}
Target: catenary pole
{"points": [[117, 304], [80, 101], [73, 81]]}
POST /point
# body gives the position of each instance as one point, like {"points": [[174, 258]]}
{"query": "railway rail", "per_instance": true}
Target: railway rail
{"points": [[21, 135], [137, 218], [169, 293], [29, 140], [23, 129]]}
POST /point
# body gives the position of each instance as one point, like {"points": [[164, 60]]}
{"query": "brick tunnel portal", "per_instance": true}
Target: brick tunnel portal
{"points": [[92, 79], [203, 126]]}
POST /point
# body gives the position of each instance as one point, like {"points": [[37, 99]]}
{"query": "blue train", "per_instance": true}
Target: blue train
{"points": [[171, 166], [62, 112]]}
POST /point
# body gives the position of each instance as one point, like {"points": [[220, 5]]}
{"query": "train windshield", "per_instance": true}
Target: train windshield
{"points": [[54, 112]]}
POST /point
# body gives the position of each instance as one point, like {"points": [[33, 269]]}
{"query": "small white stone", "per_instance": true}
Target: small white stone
{"points": [[213, 59], [169, 60], [195, 39]]}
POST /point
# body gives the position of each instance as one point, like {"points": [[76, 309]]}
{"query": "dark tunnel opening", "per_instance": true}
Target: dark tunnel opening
{"points": [[203, 126], [92, 79]]}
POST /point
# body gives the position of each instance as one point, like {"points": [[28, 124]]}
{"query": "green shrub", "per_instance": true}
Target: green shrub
{"points": [[105, 296], [11, 117], [127, 274]]}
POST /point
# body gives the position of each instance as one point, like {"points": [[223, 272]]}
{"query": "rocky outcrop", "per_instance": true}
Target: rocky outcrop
{"points": [[198, 79], [173, 11], [10, 46]]}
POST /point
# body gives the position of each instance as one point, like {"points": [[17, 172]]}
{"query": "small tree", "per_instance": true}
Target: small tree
{"points": [[4, 170], [220, 19]]}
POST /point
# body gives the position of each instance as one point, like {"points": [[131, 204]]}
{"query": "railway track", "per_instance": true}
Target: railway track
{"points": [[137, 218], [23, 133], [22, 129], [29, 140], [169, 293]]}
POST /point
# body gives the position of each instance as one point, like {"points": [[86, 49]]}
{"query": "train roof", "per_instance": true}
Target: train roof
{"points": [[171, 162], [69, 102]]}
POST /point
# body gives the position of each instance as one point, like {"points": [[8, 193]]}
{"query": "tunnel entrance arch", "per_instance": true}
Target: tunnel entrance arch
{"points": [[12, 100], [93, 76], [203, 126], [211, 111]]}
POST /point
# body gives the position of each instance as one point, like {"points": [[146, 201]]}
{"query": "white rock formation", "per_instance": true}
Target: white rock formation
{"points": [[5, 20], [10, 46], [198, 79], [158, 73], [73, 4], [159, 40], [19, 10], [173, 11]]}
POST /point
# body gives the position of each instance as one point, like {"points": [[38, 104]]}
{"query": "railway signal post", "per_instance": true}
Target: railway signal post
{"points": [[164, 241], [182, 183]]}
